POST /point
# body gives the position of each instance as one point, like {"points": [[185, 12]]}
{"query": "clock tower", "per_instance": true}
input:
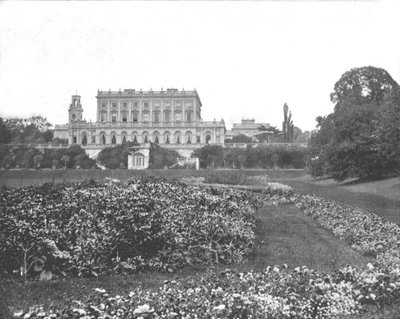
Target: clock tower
{"points": [[75, 109]]}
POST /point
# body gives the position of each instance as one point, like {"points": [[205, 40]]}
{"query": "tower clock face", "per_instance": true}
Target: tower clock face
{"points": [[73, 117]]}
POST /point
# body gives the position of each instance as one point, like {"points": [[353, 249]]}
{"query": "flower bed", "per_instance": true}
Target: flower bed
{"points": [[90, 228], [274, 293]]}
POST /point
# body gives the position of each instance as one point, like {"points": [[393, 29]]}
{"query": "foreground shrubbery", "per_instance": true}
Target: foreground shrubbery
{"points": [[88, 229], [275, 293]]}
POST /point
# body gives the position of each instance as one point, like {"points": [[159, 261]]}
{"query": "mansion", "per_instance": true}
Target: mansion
{"points": [[171, 118]]}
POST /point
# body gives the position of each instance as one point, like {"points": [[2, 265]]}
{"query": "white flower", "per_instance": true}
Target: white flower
{"points": [[102, 291], [276, 269], [142, 309], [373, 296], [18, 314], [219, 308], [370, 266]]}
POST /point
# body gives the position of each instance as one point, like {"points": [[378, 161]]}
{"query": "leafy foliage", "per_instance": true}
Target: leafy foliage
{"points": [[28, 157], [209, 155], [253, 157], [35, 129], [161, 157], [90, 228], [363, 85], [277, 292], [358, 138]]}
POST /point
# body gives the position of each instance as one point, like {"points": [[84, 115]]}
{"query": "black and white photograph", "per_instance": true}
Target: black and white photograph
{"points": [[190, 159]]}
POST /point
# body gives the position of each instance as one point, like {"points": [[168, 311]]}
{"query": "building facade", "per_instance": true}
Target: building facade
{"points": [[171, 118], [247, 127]]}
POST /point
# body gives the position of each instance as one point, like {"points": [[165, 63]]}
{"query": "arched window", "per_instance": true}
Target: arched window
{"points": [[208, 138], [124, 139], [103, 139], [113, 140]]}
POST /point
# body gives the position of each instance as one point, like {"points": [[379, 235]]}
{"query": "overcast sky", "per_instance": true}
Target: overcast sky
{"points": [[246, 59]]}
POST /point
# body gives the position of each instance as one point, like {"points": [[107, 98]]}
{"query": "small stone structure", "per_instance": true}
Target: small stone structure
{"points": [[138, 158]]}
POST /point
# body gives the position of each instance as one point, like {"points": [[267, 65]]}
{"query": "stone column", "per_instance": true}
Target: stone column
{"points": [[130, 107], [108, 111]]}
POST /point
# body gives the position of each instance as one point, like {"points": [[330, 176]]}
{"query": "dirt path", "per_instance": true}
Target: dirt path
{"points": [[374, 202]]}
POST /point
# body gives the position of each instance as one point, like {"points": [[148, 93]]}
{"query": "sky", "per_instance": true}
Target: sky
{"points": [[244, 58]]}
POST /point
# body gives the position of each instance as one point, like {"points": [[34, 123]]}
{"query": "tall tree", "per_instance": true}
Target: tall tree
{"points": [[359, 139], [362, 85], [287, 125]]}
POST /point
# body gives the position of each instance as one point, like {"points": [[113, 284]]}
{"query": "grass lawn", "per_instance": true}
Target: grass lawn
{"points": [[380, 197], [284, 235]]}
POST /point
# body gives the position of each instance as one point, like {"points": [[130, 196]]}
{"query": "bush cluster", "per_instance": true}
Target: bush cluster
{"points": [[90, 228], [265, 156], [24, 157]]}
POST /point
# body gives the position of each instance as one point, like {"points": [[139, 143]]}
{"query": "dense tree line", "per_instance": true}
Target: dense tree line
{"points": [[360, 139], [35, 129], [26, 157], [269, 156]]}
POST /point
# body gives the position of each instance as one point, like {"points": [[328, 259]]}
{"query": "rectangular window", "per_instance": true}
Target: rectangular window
{"points": [[103, 105], [93, 139], [114, 118], [124, 117], [178, 117], [135, 104], [146, 104], [167, 117], [124, 105], [156, 116], [135, 117], [114, 105], [103, 117], [146, 117]]}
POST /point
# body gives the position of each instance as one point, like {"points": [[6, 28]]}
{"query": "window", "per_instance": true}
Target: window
{"points": [[103, 117], [189, 116], [103, 105], [114, 105], [124, 117], [139, 161], [156, 117], [146, 117], [146, 104], [135, 117], [93, 139], [135, 104], [178, 116], [167, 116], [114, 118], [124, 105]]}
